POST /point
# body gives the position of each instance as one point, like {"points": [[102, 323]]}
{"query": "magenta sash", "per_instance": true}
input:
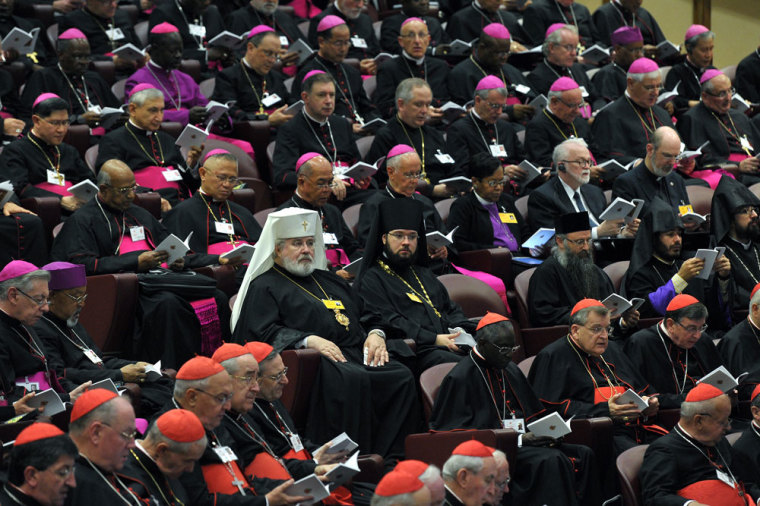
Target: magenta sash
{"points": [[54, 188], [586, 111], [220, 248], [513, 101], [98, 131], [737, 157], [712, 176], [36, 382], [244, 145], [304, 9], [211, 330], [337, 257], [152, 177], [128, 245], [5, 115], [496, 283]]}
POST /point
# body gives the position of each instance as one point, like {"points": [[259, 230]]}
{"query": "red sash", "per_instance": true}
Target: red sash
{"points": [[219, 480], [152, 177], [266, 466], [603, 394], [714, 492], [56, 188]]}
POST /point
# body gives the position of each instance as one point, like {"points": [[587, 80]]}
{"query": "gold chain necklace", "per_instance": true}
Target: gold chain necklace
{"points": [[56, 166], [588, 370], [575, 132], [732, 134], [339, 317], [643, 121], [263, 88], [424, 293], [229, 211], [158, 141], [422, 156], [160, 490]]}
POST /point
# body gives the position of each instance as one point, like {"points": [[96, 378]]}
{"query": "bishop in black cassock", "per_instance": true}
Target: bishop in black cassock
{"points": [[688, 76], [471, 135], [546, 130], [22, 236], [364, 43], [740, 350], [248, 16], [610, 16], [467, 23], [390, 29], [106, 30], [196, 24], [747, 80], [541, 14], [41, 55], [747, 447], [641, 182]]}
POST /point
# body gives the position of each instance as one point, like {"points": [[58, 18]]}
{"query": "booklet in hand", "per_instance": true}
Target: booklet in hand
{"points": [[452, 111], [459, 183], [344, 471], [49, 401], [84, 191], [552, 425], [539, 238], [531, 172], [539, 102], [303, 50], [595, 54], [296, 107], [342, 443], [309, 486], [128, 51], [613, 168], [175, 247], [215, 110], [722, 379], [227, 39], [620, 208], [191, 136], [106, 384], [689, 155], [373, 125], [21, 41], [353, 267], [667, 49], [459, 47], [618, 304], [629, 396], [464, 337], [435, 239], [245, 251], [692, 217], [667, 96], [382, 57], [709, 255], [358, 171], [6, 192]]}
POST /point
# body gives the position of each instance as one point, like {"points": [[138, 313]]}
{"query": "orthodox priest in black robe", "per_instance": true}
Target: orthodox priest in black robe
{"points": [[248, 16], [364, 43], [472, 388], [541, 14], [108, 235], [656, 271], [579, 375], [390, 29], [610, 16], [197, 22], [671, 358], [289, 303], [402, 295], [734, 224], [747, 447], [740, 348], [467, 23], [747, 80]]}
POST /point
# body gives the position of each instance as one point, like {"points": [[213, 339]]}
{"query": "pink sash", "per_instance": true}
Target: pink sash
{"points": [[98, 131], [737, 157], [586, 111], [304, 9], [513, 101], [36, 382], [5, 115], [211, 330], [152, 177], [712, 176], [128, 245], [496, 283], [337, 257], [54, 188], [219, 248]]}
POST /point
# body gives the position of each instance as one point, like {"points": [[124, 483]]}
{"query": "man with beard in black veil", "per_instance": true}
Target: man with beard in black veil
{"points": [[735, 225], [570, 275], [660, 270]]}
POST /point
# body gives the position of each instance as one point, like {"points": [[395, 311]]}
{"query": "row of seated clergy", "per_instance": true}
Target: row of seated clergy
{"points": [[109, 234]]}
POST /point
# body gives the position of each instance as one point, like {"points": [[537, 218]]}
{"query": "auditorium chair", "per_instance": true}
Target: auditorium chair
{"points": [[91, 156], [117, 89], [224, 276], [430, 384], [106, 69], [436, 447], [261, 191], [616, 271], [370, 85], [109, 315], [191, 68], [261, 216], [207, 87], [474, 296], [755, 188], [444, 207], [141, 30], [258, 134], [150, 201], [521, 204], [526, 364], [79, 137], [351, 217], [246, 197], [246, 166], [700, 198], [364, 144], [628, 466], [534, 338], [49, 211], [496, 261]]}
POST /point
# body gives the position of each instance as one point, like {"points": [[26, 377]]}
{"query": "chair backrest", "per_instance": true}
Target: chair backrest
{"points": [[700, 198], [473, 295], [257, 133], [262, 191], [304, 27], [608, 196], [730, 72], [90, 156], [141, 30], [351, 217], [524, 365], [106, 69], [173, 128], [430, 384], [150, 201], [52, 34], [370, 85], [628, 466], [364, 143], [521, 204], [270, 152], [191, 68], [246, 197], [289, 83], [444, 207], [616, 271], [755, 188], [110, 311], [117, 89], [79, 137], [207, 87], [522, 281], [261, 216], [664, 72]]}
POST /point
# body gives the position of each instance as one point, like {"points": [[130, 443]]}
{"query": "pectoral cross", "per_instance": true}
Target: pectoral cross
{"points": [[60, 179], [239, 484], [32, 56]]}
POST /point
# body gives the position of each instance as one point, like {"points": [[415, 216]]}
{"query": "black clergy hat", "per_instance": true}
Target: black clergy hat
{"points": [[571, 222], [659, 217], [729, 196]]}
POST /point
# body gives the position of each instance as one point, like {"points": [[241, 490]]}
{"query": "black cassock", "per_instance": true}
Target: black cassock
{"points": [[466, 75], [141, 149], [146, 480], [545, 131], [398, 132], [471, 135], [167, 325], [467, 400], [747, 79], [610, 82], [389, 305], [42, 56], [640, 183], [391, 28], [747, 452], [672, 373], [740, 350], [350, 97], [539, 16], [192, 45], [566, 377], [245, 86], [360, 27], [26, 164], [745, 268], [545, 73], [391, 72], [467, 23], [22, 237], [18, 497], [93, 486], [475, 226], [9, 101], [677, 460], [552, 293], [689, 89], [245, 18], [94, 27], [610, 16], [375, 406], [623, 130], [277, 427]]}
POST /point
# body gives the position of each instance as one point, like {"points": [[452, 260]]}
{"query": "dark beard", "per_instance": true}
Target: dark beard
{"points": [[397, 262], [750, 233], [582, 272], [661, 251]]}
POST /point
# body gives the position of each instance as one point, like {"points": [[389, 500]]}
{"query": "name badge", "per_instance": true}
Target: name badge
{"points": [[54, 177], [725, 478], [222, 227], [270, 100], [115, 34], [497, 150], [330, 238], [584, 93], [507, 217], [295, 443], [172, 175], [443, 157], [522, 89], [414, 297], [28, 385], [197, 30], [137, 233], [284, 42], [685, 209], [516, 424], [225, 454], [333, 304], [357, 41], [94, 358]]}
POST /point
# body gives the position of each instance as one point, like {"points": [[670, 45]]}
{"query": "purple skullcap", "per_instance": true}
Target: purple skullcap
{"points": [[328, 22], [214, 152], [64, 275], [490, 83], [164, 28], [564, 84], [643, 66], [409, 20], [709, 74], [72, 33], [16, 268], [400, 149], [312, 73], [141, 87], [43, 97], [626, 35], [305, 158], [695, 30], [553, 28], [259, 29], [497, 31]]}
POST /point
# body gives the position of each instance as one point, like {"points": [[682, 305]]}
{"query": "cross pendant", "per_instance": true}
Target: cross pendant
{"points": [[239, 484]]}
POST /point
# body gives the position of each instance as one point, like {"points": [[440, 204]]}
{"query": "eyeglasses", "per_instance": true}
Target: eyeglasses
{"points": [[725, 423], [495, 107], [270, 55], [419, 35], [233, 180], [220, 399], [501, 485], [692, 329], [598, 329], [248, 380], [568, 47], [412, 175], [126, 190], [579, 242], [494, 183], [78, 300], [653, 87], [505, 350], [57, 122], [723, 94], [412, 236], [126, 436], [339, 43], [275, 377], [40, 303], [63, 472], [748, 210], [572, 106], [582, 162], [324, 185]]}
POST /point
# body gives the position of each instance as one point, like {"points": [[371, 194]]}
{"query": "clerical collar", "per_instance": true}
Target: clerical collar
{"points": [[746, 246], [37, 138], [302, 202], [482, 201], [406, 55], [477, 4], [309, 117], [452, 493], [557, 68], [138, 445], [154, 64], [475, 114], [633, 103], [107, 20], [691, 65], [200, 190], [141, 130], [660, 259]]}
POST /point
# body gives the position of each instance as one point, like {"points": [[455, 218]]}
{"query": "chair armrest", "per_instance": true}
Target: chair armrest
{"points": [[496, 261], [372, 468]]}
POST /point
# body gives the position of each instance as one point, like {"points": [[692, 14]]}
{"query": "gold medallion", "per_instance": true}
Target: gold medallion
{"points": [[341, 318]]}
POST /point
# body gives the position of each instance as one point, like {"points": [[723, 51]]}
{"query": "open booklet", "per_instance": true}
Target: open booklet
{"points": [[613, 168], [191, 136], [595, 54], [21, 41], [667, 96], [631, 397], [539, 238], [531, 172], [128, 51], [245, 251], [49, 401], [358, 171], [710, 256], [175, 247], [84, 191], [309, 486], [552, 425], [6, 192], [722, 379], [689, 154], [303, 50], [459, 183], [344, 471], [617, 304], [435, 239], [623, 209], [342, 443]]}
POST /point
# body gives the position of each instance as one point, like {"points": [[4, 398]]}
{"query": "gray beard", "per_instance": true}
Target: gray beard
{"points": [[73, 320], [298, 269], [582, 272]]}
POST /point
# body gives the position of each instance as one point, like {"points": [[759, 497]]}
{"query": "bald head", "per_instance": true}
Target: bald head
{"points": [[662, 151], [116, 183]]}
